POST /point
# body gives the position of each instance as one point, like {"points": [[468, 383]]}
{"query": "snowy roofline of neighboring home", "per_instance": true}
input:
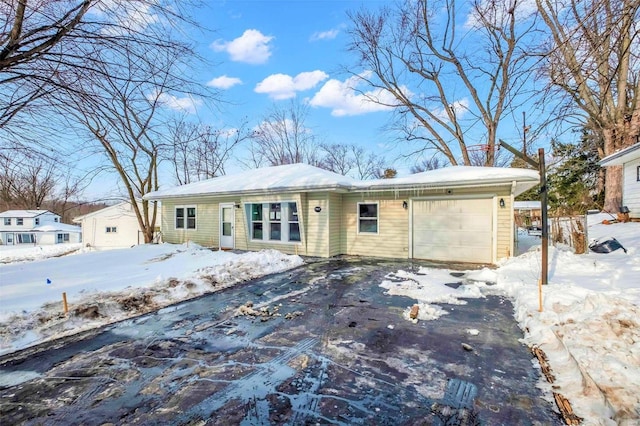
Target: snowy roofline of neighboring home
{"points": [[24, 213], [527, 205], [303, 177], [624, 155], [55, 227], [121, 204]]}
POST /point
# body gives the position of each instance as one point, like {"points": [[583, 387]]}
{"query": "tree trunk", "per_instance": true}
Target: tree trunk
{"points": [[613, 189]]}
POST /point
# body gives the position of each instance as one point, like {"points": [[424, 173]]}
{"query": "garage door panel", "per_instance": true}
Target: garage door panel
{"points": [[453, 230]]}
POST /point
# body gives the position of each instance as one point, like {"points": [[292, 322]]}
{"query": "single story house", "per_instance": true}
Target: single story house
{"points": [[629, 159], [37, 227], [462, 214], [112, 227]]}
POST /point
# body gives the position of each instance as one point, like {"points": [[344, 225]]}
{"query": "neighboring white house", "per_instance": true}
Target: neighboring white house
{"points": [[629, 159], [37, 227], [112, 227]]}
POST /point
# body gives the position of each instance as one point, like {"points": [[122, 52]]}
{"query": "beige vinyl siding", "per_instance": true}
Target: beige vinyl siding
{"points": [[631, 188], [505, 226], [243, 234], [207, 230], [335, 224], [392, 239]]}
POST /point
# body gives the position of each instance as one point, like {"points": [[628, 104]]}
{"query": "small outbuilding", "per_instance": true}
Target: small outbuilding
{"points": [[112, 227], [629, 159], [455, 214]]}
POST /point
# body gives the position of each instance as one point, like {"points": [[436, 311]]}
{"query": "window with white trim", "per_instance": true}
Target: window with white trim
{"points": [[36, 221], [637, 176], [185, 217], [368, 218], [63, 238], [26, 238], [7, 221], [19, 221], [111, 229], [273, 222]]}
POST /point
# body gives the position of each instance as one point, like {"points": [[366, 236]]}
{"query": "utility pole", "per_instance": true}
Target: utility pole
{"points": [[540, 165]]}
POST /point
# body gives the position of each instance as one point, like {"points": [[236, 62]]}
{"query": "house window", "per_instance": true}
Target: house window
{"points": [[368, 218], [185, 216], [256, 221], [36, 221], [280, 222], [19, 221], [63, 238], [7, 221], [294, 224], [275, 221], [111, 229], [637, 177], [26, 238], [55, 219]]}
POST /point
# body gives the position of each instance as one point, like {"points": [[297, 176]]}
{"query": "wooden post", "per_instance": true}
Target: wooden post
{"points": [[539, 295], [65, 306]]}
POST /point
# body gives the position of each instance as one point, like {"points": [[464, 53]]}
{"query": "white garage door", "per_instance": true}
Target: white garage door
{"points": [[453, 230]]}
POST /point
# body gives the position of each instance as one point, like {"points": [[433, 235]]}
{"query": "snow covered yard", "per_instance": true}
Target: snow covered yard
{"points": [[107, 286], [589, 326]]}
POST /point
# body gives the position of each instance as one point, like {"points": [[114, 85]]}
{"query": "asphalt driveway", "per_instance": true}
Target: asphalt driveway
{"points": [[321, 344]]}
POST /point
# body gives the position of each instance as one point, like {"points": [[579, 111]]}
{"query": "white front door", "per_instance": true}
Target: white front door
{"points": [[227, 223]]}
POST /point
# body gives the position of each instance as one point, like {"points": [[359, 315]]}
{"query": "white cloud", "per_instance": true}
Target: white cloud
{"points": [[224, 82], [342, 98], [460, 108], [324, 35], [187, 104], [498, 12], [252, 47], [283, 86]]}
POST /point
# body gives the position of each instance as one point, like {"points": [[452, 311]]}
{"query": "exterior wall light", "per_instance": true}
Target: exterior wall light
{"points": [[405, 205], [502, 203]]}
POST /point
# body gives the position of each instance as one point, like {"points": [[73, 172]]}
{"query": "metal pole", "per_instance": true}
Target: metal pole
{"points": [[543, 208]]}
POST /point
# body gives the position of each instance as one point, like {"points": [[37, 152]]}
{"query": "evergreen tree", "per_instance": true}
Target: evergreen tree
{"points": [[575, 181]]}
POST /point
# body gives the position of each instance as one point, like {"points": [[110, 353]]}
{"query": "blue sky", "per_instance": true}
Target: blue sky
{"points": [[266, 52], [263, 52]]}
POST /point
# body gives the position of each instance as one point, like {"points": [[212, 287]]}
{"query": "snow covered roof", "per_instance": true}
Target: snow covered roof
{"points": [[57, 227], [622, 156], [24, 213], [457, 176], [118, 209], [299, 177], [303, 177], [527, 205]]}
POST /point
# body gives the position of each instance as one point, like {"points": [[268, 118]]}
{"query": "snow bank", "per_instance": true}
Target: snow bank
{"points": [[108, 286], [589, 326]]}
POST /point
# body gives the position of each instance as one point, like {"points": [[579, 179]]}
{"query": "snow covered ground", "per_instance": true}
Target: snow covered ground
{"points": [[589, 326], [106, 286]]}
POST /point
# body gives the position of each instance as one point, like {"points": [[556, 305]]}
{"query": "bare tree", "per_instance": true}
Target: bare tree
{"points": [[31, 181], [432, 163], [440, 87], [121, 111], [42, 41], [592, 61], [350, 160], [282, 137], [200, 152]]}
